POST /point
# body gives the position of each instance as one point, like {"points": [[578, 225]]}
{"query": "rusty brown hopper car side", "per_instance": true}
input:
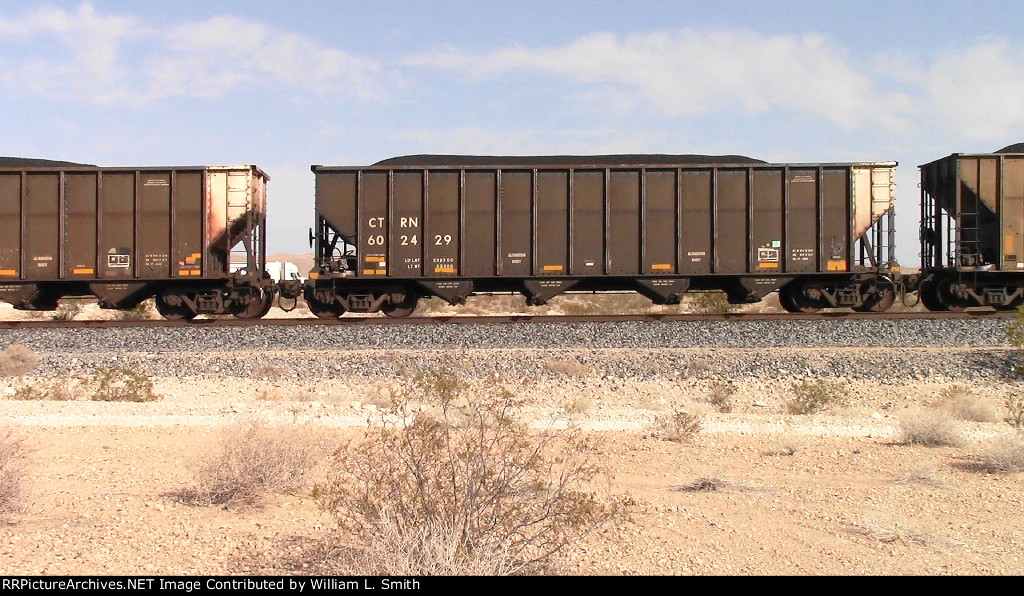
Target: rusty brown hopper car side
{"points": [[389, 234], [193, 237], [972, 230]]}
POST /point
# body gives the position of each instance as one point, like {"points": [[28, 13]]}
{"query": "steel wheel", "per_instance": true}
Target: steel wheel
{"points": [[257, 307], [178, 312], [398, 311], [946, 297], [929, 296], [793, 300], [878, 302], [325, 311]]}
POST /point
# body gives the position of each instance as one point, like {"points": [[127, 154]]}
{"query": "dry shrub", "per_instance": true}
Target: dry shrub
{"points": [[466, 490], [791, 443], [568, 368], [712, 481], [598, 304], [680, 427], [962, 404], [59, 389], [17, 360], [12, 470], [575, 305], [923, 474], [930, 427], [104, 384], [269, 371], [267, 394], [140, 312], [1004, 454], [889, 531], [712, 303], [380, 398], [68, 310], [705, 484], [699, 368], [582, 405], [1015, 409], [720, 395], [252, 460], [814, 395], [122, 383]]}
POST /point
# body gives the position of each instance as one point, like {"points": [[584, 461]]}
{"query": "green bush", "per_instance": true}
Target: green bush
{"points": [[712, 303], [140, 312], [122, 383], [68, 309], [814, 395], [1015, 335]]}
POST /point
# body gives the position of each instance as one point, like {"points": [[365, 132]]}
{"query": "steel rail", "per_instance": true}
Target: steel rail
{"points": [[507, 319]]}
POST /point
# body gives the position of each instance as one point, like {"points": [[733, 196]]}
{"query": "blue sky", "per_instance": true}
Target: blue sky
{"points": [[286, 85]]}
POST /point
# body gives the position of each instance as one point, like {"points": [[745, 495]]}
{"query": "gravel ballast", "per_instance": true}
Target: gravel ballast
{"points": [[826, 334], [956, 349]]}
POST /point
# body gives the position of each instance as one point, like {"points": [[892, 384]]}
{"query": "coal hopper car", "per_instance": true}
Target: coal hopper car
{"points": [[192, 237], [972, 230], [389, 234]]}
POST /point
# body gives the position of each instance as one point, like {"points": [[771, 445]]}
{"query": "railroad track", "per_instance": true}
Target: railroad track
{"points": [[508, 319]]}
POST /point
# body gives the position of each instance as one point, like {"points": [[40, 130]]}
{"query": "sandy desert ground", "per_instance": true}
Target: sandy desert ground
{"points": [[837, 492]]}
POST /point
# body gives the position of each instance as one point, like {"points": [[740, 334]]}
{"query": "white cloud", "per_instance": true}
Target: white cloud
{"points": [[978, 93], [595, 141], [467, 141], [695, 72], [80, 53], [214, 57], [84, 55]]}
